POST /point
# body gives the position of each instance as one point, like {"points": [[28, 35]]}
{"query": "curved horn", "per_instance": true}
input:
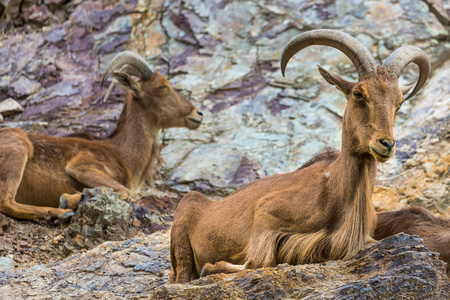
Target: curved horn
{"points": [[400, 58], [129, 58], [126, 69], [351, 47]]}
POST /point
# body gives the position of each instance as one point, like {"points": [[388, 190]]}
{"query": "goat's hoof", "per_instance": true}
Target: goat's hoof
{"points": [[62, 202], [48, 218], [66, 217], [202, 274]]}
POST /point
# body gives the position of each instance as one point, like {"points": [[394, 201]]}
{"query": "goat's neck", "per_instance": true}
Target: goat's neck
{"points": [[352, 180], [135, 141]]}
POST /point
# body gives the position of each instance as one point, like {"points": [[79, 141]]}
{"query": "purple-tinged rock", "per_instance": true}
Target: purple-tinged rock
{"points": [[39, 15], [80, 40], [113, 44], [24, 86], [245, 173], [56, 35]]}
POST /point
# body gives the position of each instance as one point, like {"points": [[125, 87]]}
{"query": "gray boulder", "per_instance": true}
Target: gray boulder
{"points": [[104, 215]]}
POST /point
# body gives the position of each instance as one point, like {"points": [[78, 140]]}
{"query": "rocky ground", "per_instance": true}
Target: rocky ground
{"points": [[224, 56], [396, 268], [24, 244]]}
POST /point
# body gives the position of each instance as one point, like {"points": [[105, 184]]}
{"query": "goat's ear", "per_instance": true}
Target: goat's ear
{"points": [[405, 89], [126, 83], [333, 79]]}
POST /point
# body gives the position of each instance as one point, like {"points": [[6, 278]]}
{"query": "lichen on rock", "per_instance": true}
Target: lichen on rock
{"points": [[104, 215]]}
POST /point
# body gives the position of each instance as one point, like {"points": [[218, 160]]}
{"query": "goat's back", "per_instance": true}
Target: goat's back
{"points": [[434, 230]]}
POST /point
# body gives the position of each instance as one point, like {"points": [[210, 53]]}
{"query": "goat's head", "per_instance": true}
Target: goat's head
{"points": [[153, 92], [375, 98]]}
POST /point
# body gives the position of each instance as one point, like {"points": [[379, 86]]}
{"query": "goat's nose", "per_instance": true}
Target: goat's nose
{"points": [[199, 113], [387, 144]]}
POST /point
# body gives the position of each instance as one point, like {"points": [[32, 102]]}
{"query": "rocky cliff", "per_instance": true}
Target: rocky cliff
{"points": [[224, 56]]}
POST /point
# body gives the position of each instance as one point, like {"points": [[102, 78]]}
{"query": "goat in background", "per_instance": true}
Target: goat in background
{"points": [[39, 173], [414, 220], [321, 212]]}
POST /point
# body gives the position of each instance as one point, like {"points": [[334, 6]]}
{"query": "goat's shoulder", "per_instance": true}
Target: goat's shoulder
{"points": [[328, 155]]}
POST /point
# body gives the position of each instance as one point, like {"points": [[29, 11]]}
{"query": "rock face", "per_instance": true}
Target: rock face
{"points": [[53, 55], [395, 268], [223, 55]]}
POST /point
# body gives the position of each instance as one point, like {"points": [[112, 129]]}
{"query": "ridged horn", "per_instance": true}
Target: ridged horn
{"points": [[132, 59], [351, 47], [400, 58], [126, 69]]}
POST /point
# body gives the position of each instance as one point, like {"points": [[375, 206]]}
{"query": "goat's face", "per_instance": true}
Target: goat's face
{"points": [[374, 99], [161, 102], [369, 115]]}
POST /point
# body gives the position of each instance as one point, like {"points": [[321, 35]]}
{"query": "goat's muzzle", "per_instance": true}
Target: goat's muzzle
{"points": [[194, 119], [382, 149]]}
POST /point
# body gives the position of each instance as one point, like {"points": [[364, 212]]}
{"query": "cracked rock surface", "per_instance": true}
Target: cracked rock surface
{"points": [[224, 56], [396, 267]]}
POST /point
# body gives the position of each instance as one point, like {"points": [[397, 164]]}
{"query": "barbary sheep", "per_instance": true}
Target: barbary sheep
{"points": [[318, 213], [38, 173]]}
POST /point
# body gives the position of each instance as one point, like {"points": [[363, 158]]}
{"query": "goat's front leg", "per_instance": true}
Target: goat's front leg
{"points": [[253, 261], [220, 267], [15, 151], [91, 173]]}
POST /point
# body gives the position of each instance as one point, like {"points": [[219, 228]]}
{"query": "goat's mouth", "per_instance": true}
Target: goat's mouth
{"points": [[381, 157], [194, 123]]}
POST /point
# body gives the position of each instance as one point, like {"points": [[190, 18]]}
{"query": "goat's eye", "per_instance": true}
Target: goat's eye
{"points": [[358, 96], [162, 87]]}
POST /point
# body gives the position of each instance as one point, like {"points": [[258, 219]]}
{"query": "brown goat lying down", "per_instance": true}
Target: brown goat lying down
{"points": [[38, 173], [320, 212], [434, 230]]}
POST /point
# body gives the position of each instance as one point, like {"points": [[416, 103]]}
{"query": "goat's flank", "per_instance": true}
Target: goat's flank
{"points": [[414, 220], [321, 212], [39, 173]]}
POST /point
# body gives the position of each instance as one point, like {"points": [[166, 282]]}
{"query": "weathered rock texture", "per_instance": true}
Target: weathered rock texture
{"points": [[112, 270], [54, 71], [395, 268], [224, 56], [104, 215]]}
